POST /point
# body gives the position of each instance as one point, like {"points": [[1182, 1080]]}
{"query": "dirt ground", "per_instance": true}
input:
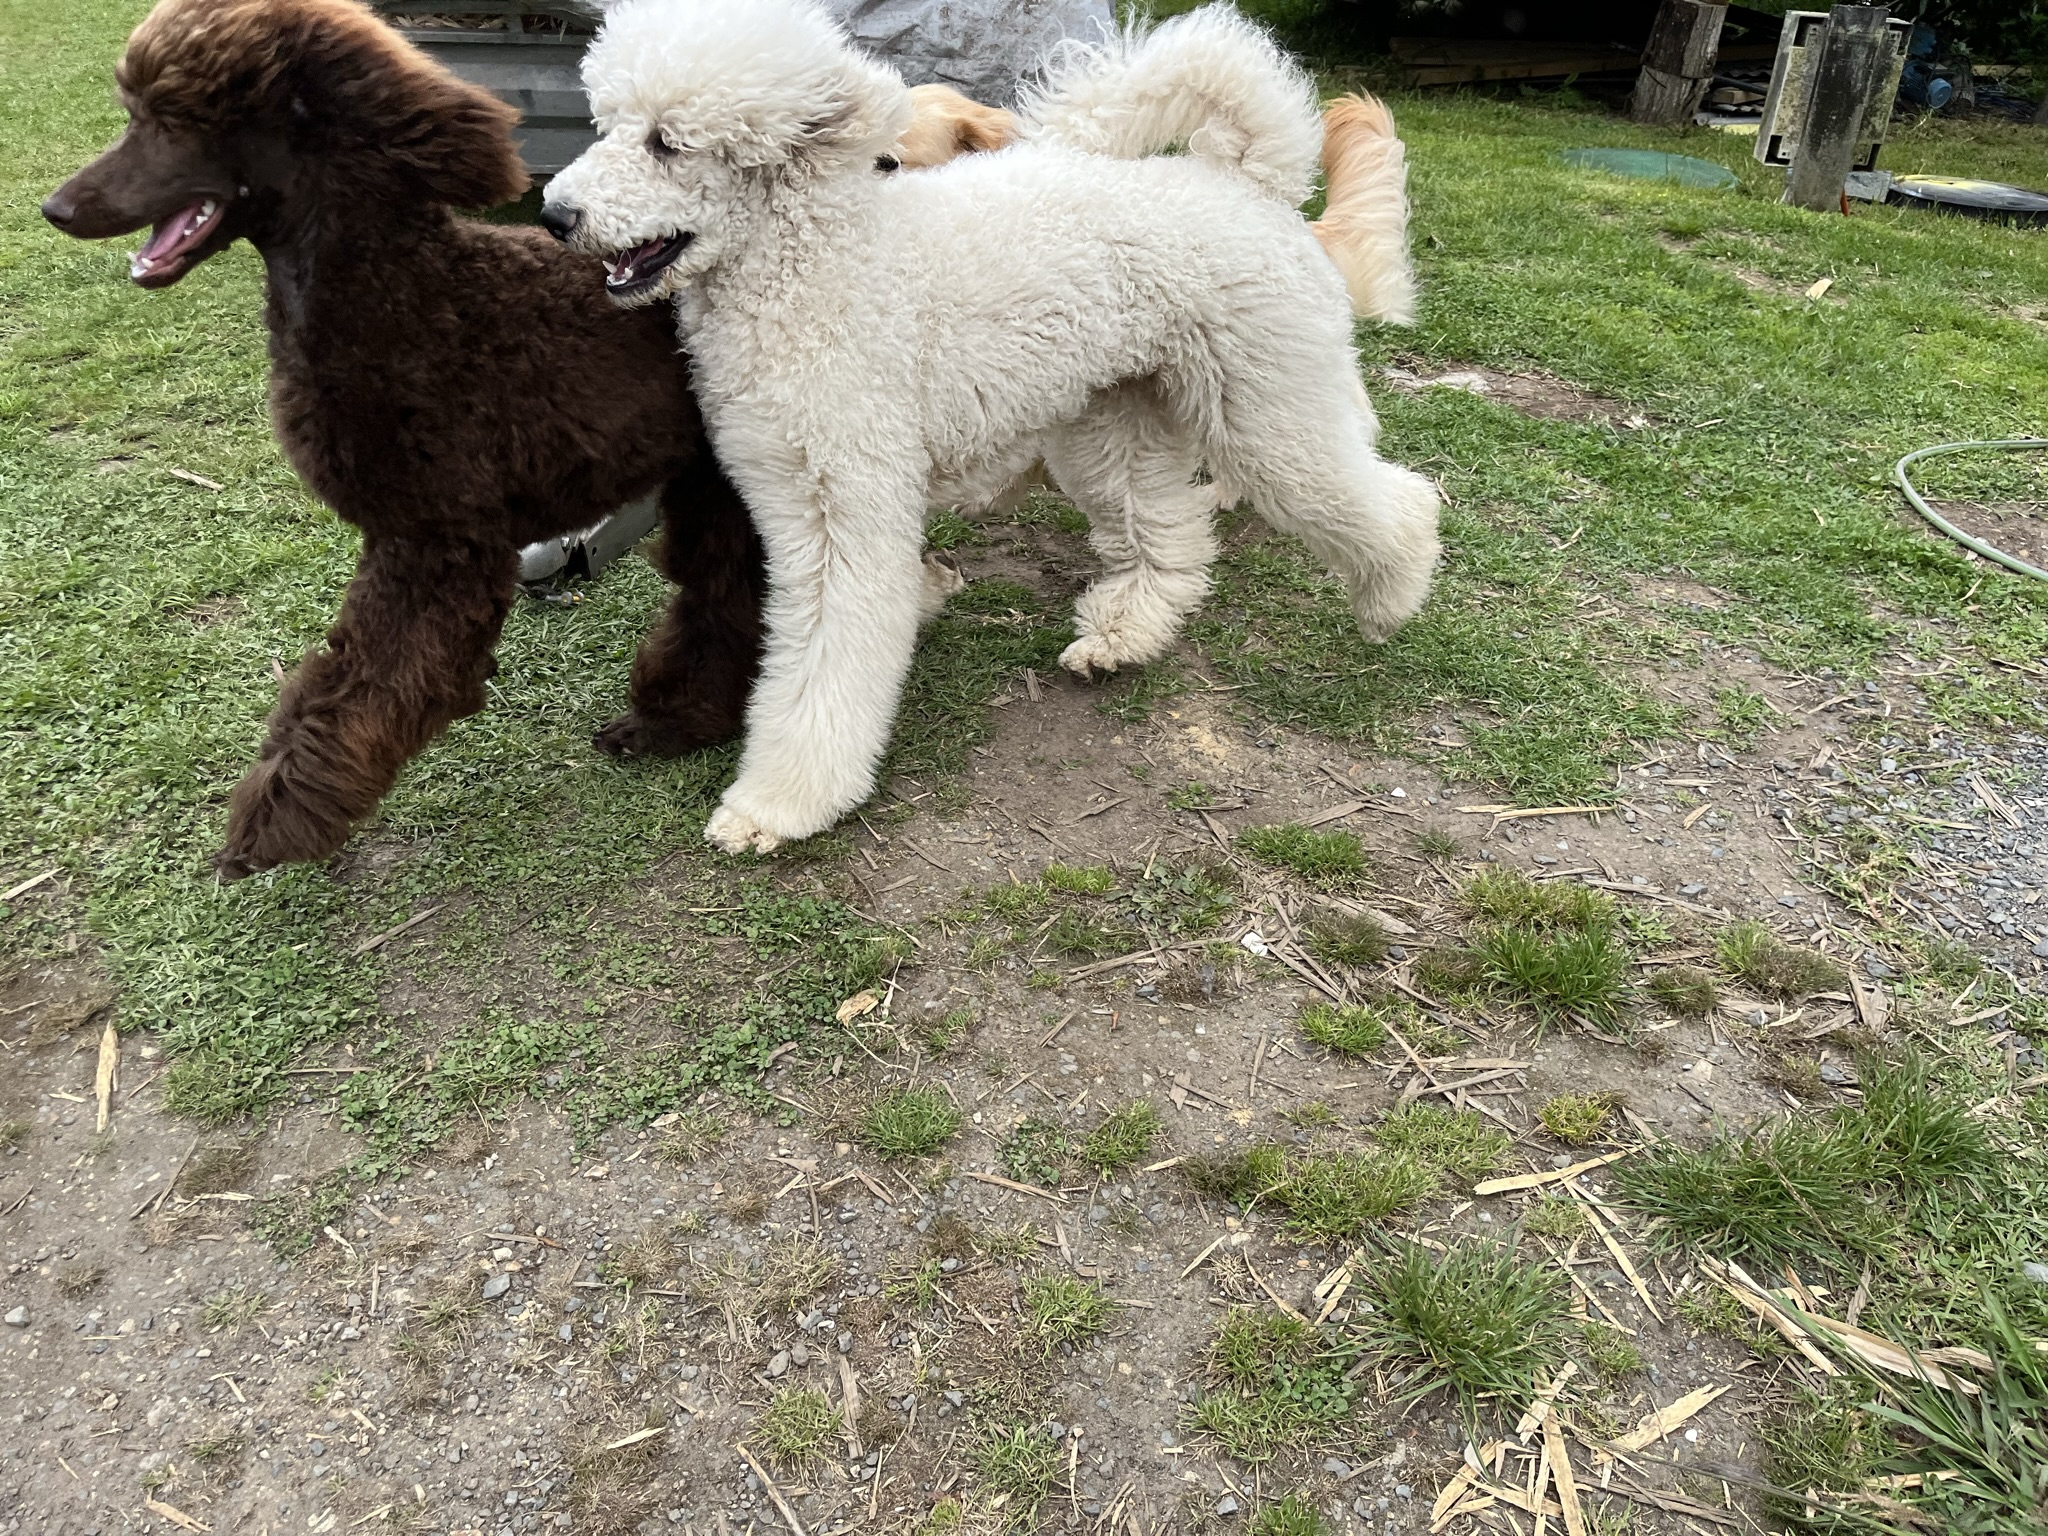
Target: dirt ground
{"points": [[456, 1354]]}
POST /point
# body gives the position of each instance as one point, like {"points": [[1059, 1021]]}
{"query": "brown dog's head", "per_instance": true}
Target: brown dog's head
{"points": [[257, 117]]}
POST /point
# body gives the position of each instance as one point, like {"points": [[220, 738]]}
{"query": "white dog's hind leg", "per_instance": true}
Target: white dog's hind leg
{"points": [[846, 594], [1371, 522], [1132, 469]]}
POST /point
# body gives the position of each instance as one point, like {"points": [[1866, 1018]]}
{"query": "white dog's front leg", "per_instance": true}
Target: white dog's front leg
{"points": [[846, 595]]}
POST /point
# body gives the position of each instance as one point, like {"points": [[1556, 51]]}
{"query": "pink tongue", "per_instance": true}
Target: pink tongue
{"points": [[166, 236], [631, 260]]}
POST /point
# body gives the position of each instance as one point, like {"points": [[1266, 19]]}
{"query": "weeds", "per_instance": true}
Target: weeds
{"points": [[1123, 1138], [1435, 843], [78, 1280], [1340, 938], [915, 1284], [1037, 1152], [14, 1134], [796, 1424], [939, 1035], [1324, 859], [1558, 1217], [1240, 1177], [1353, 1030], [1059, 1309], [231, 1310], [1753, 953], [1276, 1385], [908, 1122], [1079, 880], [1576, 1118], [1007, 1245], [1610, 1351], [1475, 1319], [645, 1261], [1464, 1145]]}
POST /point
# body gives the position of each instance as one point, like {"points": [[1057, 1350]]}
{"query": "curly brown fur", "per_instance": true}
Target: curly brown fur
{"points": [[455, 389]]}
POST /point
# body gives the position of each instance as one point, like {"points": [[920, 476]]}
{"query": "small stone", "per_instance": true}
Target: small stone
{"points": [[1337, 1467], [2041, 949], [799, 1355], [846, 1343], [566, 1333], [1403, 1491], [1226, 1505], [18, 1318], [779, 1366], [497, 1285], [2038, 1273]]}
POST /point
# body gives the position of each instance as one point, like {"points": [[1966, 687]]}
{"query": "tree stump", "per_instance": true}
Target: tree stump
{"points": [[1678, 63]]}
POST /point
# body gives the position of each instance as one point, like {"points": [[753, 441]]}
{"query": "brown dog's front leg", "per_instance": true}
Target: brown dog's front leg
{"points": [[691, 678], [410, 651]]}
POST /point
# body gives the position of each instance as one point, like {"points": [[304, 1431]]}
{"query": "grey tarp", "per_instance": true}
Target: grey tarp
{"points": [[980, 47]]}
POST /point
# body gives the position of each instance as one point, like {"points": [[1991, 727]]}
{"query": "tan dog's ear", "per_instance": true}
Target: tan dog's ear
{"points": [[948, 125]]}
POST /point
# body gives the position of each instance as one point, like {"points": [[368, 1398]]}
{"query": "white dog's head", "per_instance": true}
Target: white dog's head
{"points": [[702, 104]]}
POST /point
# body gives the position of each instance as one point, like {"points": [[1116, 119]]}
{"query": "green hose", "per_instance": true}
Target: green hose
{"points": [[2010, 562]]}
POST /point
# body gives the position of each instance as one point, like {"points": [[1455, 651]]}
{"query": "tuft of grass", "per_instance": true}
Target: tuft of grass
{"points": [[1190, 795], [1474, 1319], [230, 1311], [1824, 1441], [796, 1424], [1752, 952], [1610, 1351], [1276, 1385], [78, 1280], [1583, 974], [1558, 1217], [1006, 1244], [1059, 1309], [1333, 1195], [1291, 1515], [1324, 859], [1313, 1115], [212, 1449], [908, 1122], [1576, 1118], [1743, 713], [1017, 1463], [1037, 1152], [1353, 1030], [690, 1135], [1087, 938], [1079, 879], [915, 1284], [1910, 1133], [1786, 1192], [1346, 939], [1507, 898], [1123, 1138], [938, 1035], [1435, 843], [1240, 1177], [218, 1168], [14, 1134], [1449, 974], [1684, 990], [1463, 1144], [645, 1261]]}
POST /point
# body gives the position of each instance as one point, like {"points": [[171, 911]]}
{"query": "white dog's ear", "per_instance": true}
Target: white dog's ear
{"points": [[862, 113]]}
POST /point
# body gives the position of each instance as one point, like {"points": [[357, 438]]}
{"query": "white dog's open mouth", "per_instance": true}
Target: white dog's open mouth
{"points": [[639, 269]]}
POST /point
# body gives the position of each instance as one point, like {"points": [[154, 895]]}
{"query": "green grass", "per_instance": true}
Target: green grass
{"points": [[908, 1122], [1017, 1464], [1464, 1145], [1475, 1319], [1611, 1353], [1556, 1216], [1576, 1118], [796, 1424], [1752, 953], [1352, 1030], [1582, 975], [1344, 939], [1290, 1515], [1323, 859], [1684, 990], [1336, 1195], [1059, 1309], [1124, 1137], [1276, 1385]]}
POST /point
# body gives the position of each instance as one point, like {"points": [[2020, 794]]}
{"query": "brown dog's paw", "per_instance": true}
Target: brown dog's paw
{"points": [[230, 866], [636, 735]]}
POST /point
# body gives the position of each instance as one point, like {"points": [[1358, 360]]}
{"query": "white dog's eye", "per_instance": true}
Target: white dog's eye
{"points": [[659, 147]]}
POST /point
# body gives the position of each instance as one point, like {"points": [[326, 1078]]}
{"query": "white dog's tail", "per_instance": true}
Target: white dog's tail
{"points": [[1364, 226], [1209, 79]]}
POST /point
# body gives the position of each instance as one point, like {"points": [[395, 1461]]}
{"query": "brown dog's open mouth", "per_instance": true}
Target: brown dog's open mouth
{"points": [[639, 269], [172, 245]]}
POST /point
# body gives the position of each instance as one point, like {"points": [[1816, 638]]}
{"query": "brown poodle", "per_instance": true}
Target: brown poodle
{"points": [[455, 389]]}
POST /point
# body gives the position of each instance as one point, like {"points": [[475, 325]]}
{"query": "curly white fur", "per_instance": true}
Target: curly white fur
{"points": [[862, 338]]}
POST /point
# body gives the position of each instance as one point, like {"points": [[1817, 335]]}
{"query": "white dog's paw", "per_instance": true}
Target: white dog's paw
{"points": [[736, 832], [942, 578], [1088, 655]]}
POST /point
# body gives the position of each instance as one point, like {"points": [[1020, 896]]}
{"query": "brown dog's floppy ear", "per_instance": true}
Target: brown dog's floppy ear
{"points": [[362, 82]]}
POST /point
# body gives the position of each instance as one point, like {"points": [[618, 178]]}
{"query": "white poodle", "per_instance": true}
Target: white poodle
{"points": [[866, 343]]}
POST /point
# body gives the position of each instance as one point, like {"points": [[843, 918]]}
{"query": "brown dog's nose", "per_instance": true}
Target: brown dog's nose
{"points": [[60, 209]]}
